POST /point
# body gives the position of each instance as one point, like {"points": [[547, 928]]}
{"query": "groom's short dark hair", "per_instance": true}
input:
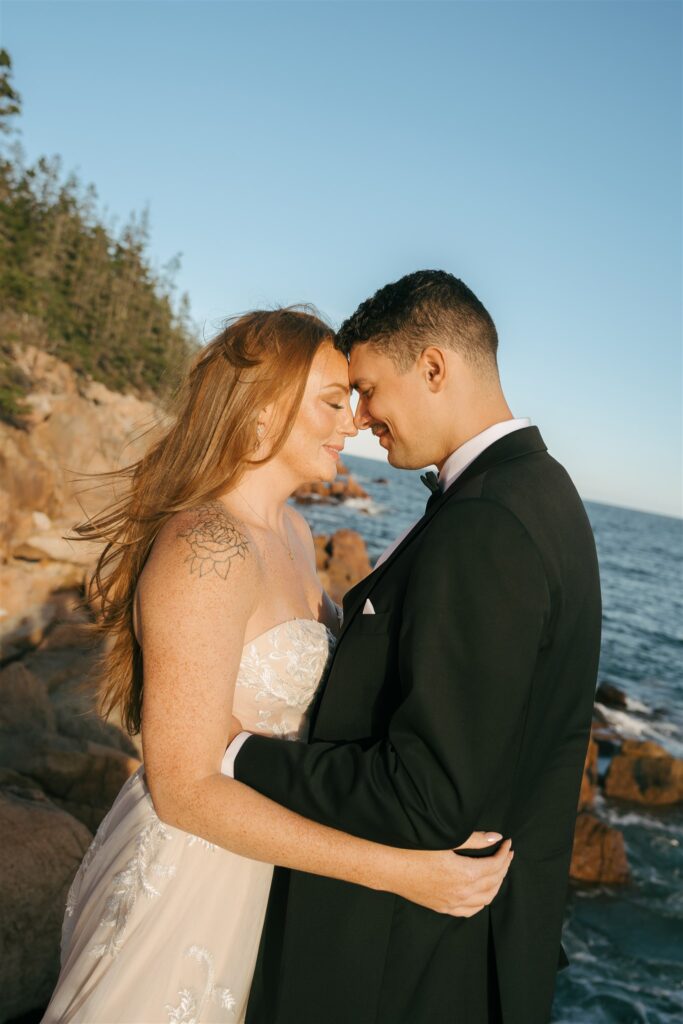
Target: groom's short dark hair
{"points": [[423, 308]]}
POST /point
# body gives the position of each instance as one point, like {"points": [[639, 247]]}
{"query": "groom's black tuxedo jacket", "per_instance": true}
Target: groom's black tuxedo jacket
{"points": [[464, 703]]}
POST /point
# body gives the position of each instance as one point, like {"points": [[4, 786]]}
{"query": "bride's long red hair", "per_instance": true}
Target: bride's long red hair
{"points": [[259, 358]]}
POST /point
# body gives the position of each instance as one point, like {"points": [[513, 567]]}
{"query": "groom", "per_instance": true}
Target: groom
{"points": [[459, 697]]}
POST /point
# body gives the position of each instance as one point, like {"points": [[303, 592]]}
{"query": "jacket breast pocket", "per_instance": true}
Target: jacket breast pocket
{"points": [[378, 623]]}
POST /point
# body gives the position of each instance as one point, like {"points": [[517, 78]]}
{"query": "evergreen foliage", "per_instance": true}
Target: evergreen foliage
{"points": [[101, 306]]}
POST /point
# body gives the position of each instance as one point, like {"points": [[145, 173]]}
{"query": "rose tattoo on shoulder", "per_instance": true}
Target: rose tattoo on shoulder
{"points": [[214, 540]]}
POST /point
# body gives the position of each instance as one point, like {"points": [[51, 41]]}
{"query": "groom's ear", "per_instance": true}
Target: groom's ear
{"points": [[432, 367]]}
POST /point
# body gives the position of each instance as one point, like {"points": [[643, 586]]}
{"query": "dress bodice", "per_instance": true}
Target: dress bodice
{"points": [[280, 671]]}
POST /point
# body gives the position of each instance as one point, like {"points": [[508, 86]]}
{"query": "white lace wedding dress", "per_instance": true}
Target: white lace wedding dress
{"points": [[160, 925]]}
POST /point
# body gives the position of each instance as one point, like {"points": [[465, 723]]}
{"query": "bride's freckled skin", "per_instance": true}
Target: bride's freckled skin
{"points": [[324, 420]]}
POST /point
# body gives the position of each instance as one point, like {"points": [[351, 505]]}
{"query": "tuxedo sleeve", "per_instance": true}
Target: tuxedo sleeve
{"points": [[474, 615]]}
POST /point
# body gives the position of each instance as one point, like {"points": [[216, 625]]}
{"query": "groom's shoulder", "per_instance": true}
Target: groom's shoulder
{"points": [[472, 515], [529, 478], [530, 490]]}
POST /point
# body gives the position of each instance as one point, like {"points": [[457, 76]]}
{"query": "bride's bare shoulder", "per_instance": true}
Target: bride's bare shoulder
{"points": [[206, 541], [203, 568]]}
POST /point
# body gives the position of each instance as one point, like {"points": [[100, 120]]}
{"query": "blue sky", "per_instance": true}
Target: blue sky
{"points": [[314, 151]]}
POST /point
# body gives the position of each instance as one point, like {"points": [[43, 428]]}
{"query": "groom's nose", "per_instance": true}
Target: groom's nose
{"points": [[361, 418]]}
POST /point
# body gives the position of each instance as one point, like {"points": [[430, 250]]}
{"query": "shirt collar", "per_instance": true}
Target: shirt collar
{"points": [[460, 459]]}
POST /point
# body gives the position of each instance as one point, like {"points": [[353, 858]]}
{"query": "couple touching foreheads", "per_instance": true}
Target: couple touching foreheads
{"points": [[447, 707]]}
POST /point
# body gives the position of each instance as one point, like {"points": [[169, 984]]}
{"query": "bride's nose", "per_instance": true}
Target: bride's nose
{"points": [[348, 426]]}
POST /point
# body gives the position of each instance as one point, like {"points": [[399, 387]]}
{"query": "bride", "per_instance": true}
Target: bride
{"points": [[210, 601]]}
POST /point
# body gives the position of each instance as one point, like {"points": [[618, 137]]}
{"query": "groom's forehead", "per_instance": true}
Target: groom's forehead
{"points": [[364, 364]]}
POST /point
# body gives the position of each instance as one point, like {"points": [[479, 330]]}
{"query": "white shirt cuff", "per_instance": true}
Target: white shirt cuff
{"points": [[228, 762]]}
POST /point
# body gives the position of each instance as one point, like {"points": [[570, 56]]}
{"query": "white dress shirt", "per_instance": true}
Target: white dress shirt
{"points": [[454, 465]]}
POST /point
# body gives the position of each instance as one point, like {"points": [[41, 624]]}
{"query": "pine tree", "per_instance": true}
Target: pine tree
{"points": [[96, 301]]}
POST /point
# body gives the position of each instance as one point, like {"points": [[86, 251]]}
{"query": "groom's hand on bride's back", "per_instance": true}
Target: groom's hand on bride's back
{"points": [[457, 885]]}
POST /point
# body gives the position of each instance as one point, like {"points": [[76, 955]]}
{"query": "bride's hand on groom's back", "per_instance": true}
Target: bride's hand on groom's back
{"points": [[457, 885]]}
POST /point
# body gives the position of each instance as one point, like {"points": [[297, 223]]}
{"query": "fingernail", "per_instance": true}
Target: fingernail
{"points": [[492, 837]]}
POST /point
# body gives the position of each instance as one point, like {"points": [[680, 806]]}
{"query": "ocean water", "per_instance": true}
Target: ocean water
{"points": [[625, 944]]}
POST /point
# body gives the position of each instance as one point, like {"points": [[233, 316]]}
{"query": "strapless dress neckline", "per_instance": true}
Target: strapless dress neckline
{"points": [[288, 622]]}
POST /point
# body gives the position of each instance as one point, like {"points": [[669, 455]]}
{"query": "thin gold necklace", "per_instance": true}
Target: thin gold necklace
{"points": [[285, 543]]}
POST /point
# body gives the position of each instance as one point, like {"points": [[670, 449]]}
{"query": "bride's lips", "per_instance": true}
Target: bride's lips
{"points": [[334, 452]]}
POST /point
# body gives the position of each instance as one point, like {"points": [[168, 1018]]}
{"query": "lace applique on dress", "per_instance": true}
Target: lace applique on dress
{"points": [[132, 882], [97, 841], [189, 1009], [282, 668], [192, 840], [288, 668]]}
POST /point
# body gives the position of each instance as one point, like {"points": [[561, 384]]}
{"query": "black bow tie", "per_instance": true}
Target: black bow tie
{"points": [[431, 481]]}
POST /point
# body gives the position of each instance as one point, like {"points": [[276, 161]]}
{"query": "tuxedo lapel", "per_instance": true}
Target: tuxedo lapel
{"points": [[521, 442]]}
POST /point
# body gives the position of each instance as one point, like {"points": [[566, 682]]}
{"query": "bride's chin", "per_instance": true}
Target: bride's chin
{"points": [[328, 474]]}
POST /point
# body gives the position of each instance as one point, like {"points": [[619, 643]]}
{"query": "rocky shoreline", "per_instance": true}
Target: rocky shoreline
{"points": [[61, 765], [341, 489]]}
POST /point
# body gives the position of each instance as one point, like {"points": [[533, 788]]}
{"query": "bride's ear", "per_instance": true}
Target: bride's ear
{"points": [[265, 421], [270, 422]]}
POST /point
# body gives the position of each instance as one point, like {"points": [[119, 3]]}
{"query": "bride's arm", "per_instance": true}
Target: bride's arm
{"points": [[194, 614], [241, 820]]}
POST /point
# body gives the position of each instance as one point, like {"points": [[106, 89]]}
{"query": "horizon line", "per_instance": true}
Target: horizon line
{"points": [[678, 516]]}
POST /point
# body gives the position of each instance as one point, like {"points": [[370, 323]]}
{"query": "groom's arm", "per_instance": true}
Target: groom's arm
{"points": [[476, 606]]}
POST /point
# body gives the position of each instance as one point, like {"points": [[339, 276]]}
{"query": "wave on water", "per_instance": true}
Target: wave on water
{"points": [[653, 821], [366, 505], [638, 723]]}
